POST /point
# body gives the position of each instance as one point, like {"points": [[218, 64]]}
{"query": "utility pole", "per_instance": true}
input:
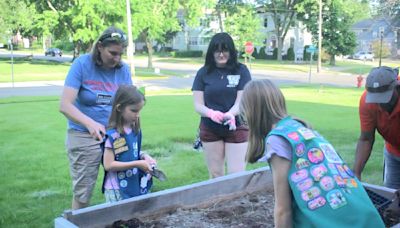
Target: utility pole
{"points": [[131, 48], [319, 37]]}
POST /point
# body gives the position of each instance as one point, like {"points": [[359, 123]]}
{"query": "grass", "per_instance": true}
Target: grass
{"points": [[34, 167]]}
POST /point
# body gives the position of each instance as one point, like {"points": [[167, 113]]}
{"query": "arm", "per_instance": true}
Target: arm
{"points": [[235, 108], [283, 197], [363, 151], [69, 110], [111, 165], [200, 107]]}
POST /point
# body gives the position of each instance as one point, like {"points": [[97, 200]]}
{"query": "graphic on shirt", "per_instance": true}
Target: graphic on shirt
{"points": [[327, 183], [299, 175], [330, 153], [318, 171], [233, 80], [294, 136], [302, 163], [315, 155], [123, 183], [103, 99], [300, 148], [121, 175], [316, 203], [311, 193], [336, 199], [306, 133], [305, 184]]}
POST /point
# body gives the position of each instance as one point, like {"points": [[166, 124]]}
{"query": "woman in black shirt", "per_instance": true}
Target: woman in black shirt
{"points": [[217, 90]]}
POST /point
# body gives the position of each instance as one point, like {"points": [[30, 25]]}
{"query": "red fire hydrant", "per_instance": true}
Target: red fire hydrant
{"points": [[360, 80]]}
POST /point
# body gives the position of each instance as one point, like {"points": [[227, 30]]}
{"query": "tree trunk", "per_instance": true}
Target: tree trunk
{"points": [[77, 50], [221, 25], [280, 46], [332, 60], [150, 53]]}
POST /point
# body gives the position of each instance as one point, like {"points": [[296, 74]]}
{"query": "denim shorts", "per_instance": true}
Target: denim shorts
{"points": [[240, 135], [391, 177], [84, 154]]}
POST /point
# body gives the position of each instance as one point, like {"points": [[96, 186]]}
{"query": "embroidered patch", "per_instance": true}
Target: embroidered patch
{"points": [[121, 149], [135, 171], [128, 173], [300, 148], [305, 184], [233, 80], [315, 155], [342, 172], [299, 175], [123, 183], [302, 163], [336, 199], [339, 181], [121, 175], [316, 203], [333, 169], [348, 170], [330, 153], [311, 193], [143, 182], [327, 183], [119, 143], [351, 183], [306, 133], [294, 136], [318, 171]]}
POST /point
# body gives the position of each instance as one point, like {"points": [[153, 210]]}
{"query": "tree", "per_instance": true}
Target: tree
{"points": [[337, 16], [244, 25], [390, 8], [283, 14], [82, 21], [226, 7]]}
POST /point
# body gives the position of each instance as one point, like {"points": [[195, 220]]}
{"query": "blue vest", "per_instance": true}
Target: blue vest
{"points": [[132, 182], [325, 191]]}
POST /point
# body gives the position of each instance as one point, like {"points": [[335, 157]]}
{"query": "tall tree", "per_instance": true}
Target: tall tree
{"points": [[82, 21], [225, 8], [244, 25], [283, 14], [337, 18]]}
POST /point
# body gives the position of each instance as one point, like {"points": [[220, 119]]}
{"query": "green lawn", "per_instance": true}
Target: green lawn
{"points": [[35, 177]]}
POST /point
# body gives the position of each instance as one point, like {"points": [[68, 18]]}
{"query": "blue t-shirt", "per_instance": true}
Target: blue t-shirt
{"points": [[96, 88]]}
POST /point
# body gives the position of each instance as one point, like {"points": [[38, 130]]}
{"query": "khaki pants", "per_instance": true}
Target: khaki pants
{"points": [[84, 154]]}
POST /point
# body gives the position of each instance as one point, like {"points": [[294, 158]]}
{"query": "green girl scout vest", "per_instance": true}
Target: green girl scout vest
{"points": [[326, 192]]}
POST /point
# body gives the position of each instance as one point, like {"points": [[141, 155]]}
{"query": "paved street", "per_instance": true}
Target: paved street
{"points": [[279, 77]]}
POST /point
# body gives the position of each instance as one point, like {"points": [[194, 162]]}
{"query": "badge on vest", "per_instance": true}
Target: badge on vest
{"points": [[306, 133], [233, 80], [336, 199], [315, 155], [330, 153], [316, 203], [120, 145]]}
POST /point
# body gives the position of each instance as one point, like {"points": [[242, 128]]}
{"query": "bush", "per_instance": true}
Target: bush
{"points": [[183, 54], [255, 53], [306, 55], [275, 54], [261, 53], [64, 45], [290, 54], [376, 47]]}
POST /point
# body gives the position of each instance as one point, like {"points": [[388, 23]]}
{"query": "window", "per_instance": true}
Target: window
{"points": [[292, 42]]}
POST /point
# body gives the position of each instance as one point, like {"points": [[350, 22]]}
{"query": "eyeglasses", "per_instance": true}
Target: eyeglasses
{"points": [[115, 36], [223, 51]]}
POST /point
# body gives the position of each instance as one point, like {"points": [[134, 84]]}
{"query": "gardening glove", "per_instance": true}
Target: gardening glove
{"points": [[215, 116], [229, 119]]}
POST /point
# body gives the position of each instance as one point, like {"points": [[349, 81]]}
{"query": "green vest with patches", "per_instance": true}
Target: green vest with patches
{"points": [[325, 191]]}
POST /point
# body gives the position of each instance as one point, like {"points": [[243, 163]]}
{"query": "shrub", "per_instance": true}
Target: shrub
{"points": [[275, 54], [183, 54], [290, 54], [255, 53], [261, 53], [64, 45], [376, 47]]}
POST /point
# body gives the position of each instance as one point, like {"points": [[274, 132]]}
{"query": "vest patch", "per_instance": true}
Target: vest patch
{"points": [[315, 155], [336, 199]]}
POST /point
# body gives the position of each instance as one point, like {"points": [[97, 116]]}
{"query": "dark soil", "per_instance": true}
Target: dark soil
{"points": [[248, 211]]}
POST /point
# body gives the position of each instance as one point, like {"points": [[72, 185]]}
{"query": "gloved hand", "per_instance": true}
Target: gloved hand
{"points": [[215, 116], [229, 119]]}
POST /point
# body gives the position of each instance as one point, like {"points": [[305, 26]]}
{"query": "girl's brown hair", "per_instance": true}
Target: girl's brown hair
{"points": [[126, 95], [262, 105], [106, 39]]}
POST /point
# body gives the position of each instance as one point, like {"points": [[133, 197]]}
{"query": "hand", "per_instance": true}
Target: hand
{"points": [[149, 159], [215, 116], [145, 166], [96, 130], [229, 119]]}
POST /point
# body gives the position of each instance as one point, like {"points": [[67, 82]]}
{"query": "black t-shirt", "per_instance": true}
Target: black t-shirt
{"points": [[220, 88]]}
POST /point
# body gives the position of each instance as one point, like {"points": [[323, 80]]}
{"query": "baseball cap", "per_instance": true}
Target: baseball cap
{"points": [[380, 84]]}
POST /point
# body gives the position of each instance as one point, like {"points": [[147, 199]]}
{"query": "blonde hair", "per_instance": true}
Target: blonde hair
{"points": [[262, 105]]}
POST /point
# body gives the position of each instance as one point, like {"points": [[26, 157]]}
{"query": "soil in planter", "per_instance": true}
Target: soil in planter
{"points": [[248, 211]]}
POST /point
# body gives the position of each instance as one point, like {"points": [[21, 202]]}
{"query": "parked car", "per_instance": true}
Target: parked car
{"points": [[53, 52], [364, 55]]}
